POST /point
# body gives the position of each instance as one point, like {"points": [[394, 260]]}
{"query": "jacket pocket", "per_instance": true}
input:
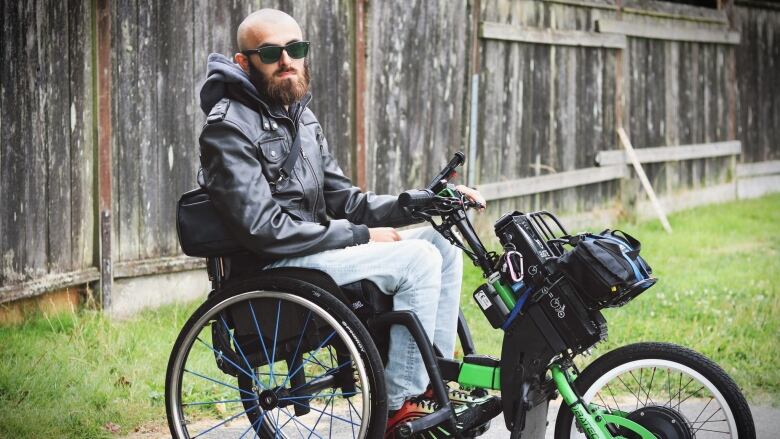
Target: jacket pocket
{"points": [[272, 150]]}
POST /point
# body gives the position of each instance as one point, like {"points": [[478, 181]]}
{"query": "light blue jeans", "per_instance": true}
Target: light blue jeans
{"points": [[423, 273]]}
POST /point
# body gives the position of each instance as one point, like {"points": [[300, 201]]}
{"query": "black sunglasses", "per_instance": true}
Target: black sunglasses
{"points": [[271, 54]]}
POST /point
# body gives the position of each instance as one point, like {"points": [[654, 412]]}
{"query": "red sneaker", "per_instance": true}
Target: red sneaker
{"points": [[471, 413]]}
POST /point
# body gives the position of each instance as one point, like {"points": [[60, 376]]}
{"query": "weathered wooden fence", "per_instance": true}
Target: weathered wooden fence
{"points": [[532, 90]]}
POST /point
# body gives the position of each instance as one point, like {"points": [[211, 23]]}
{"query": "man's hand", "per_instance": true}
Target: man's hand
{"points": [[383, 234], [473, 195]]}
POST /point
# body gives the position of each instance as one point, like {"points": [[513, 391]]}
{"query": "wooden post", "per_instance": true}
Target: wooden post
{"points": [[640, 172], [360, 93], [103, 72]]}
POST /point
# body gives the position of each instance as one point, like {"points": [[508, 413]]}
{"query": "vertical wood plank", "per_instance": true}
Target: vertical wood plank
{"points": [[35, 149], [82, 219], [128, 128], [15, 145], [2, 142], [105, 154], [53, 102], [151, 228], [175, 153]]}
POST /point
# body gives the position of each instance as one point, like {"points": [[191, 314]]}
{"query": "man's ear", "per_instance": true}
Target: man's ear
{"points": [[242, 61]]}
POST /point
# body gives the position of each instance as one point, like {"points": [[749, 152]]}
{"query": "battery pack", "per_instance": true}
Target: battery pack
{"points": [[491, 305]]}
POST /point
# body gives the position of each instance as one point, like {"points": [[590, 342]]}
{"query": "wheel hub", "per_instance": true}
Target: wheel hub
{"points": [[663, 422], [268, 400]]}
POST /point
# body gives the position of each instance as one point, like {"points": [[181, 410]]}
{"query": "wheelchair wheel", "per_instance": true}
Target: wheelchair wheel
{"points": [[274, 357], [672, 391]]}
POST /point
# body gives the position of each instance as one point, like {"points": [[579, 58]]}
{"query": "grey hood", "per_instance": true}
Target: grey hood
{"points": [[223, 74]]}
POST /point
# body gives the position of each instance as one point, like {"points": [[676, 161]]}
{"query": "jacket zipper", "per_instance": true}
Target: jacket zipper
{"points": [[316, 180]]}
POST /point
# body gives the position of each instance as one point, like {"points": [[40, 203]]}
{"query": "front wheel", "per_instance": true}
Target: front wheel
{"points": [[672, 391]]}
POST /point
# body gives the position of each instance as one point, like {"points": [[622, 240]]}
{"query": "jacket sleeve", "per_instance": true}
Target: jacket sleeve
{"points": [[239, 190], [344, 200]]}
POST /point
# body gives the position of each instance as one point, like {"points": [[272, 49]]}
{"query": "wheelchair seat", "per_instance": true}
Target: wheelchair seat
{"points": [[364, 298]]}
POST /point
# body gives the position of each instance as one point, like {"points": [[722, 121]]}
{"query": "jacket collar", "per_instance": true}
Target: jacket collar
{"points": [[272, 113]]}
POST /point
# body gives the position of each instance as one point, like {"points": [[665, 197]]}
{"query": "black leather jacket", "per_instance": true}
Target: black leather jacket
{"points": [[243, 145]]}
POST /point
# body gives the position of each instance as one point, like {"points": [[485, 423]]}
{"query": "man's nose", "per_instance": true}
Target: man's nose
{"points": [[285, 59]]}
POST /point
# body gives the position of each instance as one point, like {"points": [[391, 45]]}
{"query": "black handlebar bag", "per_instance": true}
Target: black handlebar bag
{"points": [[606, 268]]}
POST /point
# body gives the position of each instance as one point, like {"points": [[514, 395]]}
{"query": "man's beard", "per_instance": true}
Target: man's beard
{"points": [[285, 91]]}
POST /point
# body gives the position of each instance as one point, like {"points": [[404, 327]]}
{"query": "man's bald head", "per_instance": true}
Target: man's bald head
{"points": [[256, 26], [285, 80]]}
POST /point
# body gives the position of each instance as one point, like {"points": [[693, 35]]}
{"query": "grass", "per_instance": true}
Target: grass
{"points": [[718, 292], [81, 375]]}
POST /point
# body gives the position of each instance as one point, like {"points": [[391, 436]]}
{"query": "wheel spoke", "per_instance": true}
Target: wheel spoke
{"points": [[252, 427], [350, 408], [713, 414], [297, 422], [260, 334], [627, 388], [251, 376], [219, 382], [289, 375], [218, 402], [320, 411], [640, 390], [679, 393], [609, 389], [235, 343], [689, 396], [222, 423], [276, 334], [713, 431], [287, 412], [300, 338], [650, 389]]}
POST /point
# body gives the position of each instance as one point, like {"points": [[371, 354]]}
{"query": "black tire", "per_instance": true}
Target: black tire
{"points": [[659, 360], [243, 378]]}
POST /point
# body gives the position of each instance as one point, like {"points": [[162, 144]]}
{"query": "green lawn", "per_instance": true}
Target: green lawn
{"points": [[719, 293]]}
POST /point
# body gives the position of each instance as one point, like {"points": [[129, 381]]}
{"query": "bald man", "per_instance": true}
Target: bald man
{"points": [[313, 216]]}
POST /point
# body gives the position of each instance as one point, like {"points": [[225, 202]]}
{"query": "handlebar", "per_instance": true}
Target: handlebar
{"points": [[416, 198], [452, 211], [427, 197]]}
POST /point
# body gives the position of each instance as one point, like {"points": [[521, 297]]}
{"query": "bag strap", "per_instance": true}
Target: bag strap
{"points": [[289, 162], [636, 246]]}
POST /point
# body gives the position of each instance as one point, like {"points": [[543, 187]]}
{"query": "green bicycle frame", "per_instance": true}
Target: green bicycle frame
{"points": [[592, 419], [594, 424]]}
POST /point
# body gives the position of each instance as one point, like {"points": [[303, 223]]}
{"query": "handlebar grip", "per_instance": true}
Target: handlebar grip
{"points": [[456, 160], [436, 184], [415, 198]]}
